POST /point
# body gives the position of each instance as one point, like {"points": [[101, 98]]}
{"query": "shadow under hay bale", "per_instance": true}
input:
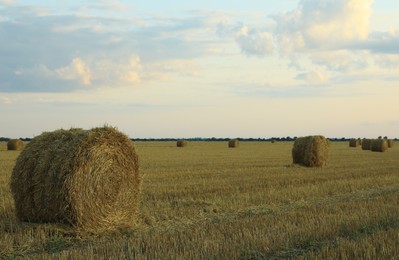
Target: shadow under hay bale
{"points": [[234, 143], [181, 143], [379, 145], [310, 151], [15, 145], [86, 178]]}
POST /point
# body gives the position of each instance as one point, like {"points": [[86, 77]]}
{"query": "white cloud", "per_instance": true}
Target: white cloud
{"points": [[390, 61], [109, 71], [179, 67], [76, 70], [323, 23], [253, 42], [96, 50], [313, 77], [341, 60], [6, 100], [132, 74]]}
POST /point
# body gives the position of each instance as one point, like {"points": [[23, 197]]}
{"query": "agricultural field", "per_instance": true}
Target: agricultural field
{"points": [[208, 201]]}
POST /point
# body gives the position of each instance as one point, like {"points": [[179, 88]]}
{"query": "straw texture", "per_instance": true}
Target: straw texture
{"points": [[86, 178], [310, 151]]}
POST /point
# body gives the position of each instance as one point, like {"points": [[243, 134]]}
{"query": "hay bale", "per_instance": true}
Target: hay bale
{"points": [[379, 145], [310, 151], [366, 144], [15, 145], [354, 142], [234, 143], [181, 143], [86, 178], [390, 143]]}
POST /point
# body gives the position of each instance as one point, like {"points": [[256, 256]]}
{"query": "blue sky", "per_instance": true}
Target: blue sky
{"points": [[208, 68]]}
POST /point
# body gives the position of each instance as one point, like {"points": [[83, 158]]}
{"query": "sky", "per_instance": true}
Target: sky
{"points": [[157, 69]]}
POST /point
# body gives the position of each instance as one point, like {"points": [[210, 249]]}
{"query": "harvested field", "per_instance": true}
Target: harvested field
{"points": [[206, 201]]}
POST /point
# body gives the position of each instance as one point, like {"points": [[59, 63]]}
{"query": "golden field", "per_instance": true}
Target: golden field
{"points": [[208, 201]]}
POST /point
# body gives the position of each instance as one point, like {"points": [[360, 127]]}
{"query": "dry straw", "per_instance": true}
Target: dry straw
{"points": [[86, 178], [379, 145], [181, 143], [234, 143], [310, 151], [390, 143], [354, 142], [15, 144], [366, 144]]}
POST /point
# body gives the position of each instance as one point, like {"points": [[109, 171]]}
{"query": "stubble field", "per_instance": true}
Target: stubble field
{"points": [[207, 201]]}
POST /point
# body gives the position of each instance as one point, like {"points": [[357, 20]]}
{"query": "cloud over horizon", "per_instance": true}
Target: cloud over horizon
{"points": [[146, 67], [94, 50]]}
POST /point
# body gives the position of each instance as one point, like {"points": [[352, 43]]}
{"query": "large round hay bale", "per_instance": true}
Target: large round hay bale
{"points": [[15, 145], [234, 143], [390, 143], [379, 145], [86, 178], [366, 144], [354, 142], [310, 151], [181, 143]]}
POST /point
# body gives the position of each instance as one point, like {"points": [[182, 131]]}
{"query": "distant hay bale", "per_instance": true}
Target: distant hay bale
{"points": [[181, 143], [379, 145], [86, 178], [366, 144], [234, 143], [15, 145], [273, 141], [310, 151], [354, 142], [390, 143]]}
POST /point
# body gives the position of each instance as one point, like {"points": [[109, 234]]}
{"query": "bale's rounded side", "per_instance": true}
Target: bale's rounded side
{"points": [[366, 144], [181, 143], [234, 143], [379, 145], [354, 142], [310, 151], [15, 145], [86, 178]]}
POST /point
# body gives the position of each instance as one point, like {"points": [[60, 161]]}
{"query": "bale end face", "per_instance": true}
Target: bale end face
{"points": [[181, 143], [234, 143], [310, 151], [15, 145], [354, 142]]}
